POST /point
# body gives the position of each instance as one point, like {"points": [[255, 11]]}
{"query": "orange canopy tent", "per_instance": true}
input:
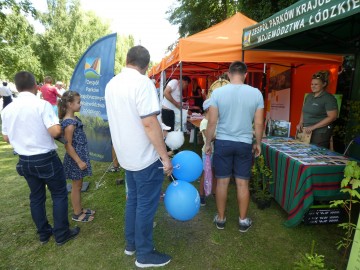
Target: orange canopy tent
{"points": [[209, 52]]}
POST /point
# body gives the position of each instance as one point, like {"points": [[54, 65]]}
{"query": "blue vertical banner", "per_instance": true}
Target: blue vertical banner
{"points": [[93, 71]]}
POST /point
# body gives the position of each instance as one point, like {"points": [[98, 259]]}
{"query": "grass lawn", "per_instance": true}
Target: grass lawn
{"points": [[195, 244]]}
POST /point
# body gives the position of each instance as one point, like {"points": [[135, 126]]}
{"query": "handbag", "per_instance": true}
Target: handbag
{"points": [[303, 137], [208, 176]]}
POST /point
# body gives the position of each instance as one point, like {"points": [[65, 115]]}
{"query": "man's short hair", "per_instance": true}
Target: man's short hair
{"points": [[24, 80], [186, 79], [138, 56], [238, 67], [4, 83], [48, 79]]}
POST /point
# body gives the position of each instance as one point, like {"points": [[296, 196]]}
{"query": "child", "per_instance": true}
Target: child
{"points": [[76, 161], [203, 126]]}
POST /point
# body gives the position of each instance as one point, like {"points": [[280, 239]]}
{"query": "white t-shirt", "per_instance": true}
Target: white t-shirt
{"points": [[5, 91], [61, 91], [129, 97], [25, 121], [175, 93], [203, 126]]}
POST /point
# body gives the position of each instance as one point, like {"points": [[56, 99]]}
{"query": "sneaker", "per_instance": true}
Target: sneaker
{"points": [[245, 224], [113, 169], [154, 259], [220, 224], [72, 234], [129, 251], [202, 201], [45, 239]]}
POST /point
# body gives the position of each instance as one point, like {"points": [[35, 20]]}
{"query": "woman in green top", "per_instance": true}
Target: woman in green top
{"points": [[319, 111]]}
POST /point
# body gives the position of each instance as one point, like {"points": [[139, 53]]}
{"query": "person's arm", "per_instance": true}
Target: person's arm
{"points": [[68, 134], [331, 117], [300, 126], [167, 94], [153, 131], [259, 129], [213, 115], [55, 131], [6, 138]]}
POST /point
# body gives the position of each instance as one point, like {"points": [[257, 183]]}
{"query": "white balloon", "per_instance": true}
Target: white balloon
{"points": [[175, 139]]}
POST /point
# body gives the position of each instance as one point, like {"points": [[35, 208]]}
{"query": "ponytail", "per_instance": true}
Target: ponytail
{"points": [[68, 96]]}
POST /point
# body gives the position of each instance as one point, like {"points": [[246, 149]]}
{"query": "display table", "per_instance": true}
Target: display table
{"points": [[302, 173]]}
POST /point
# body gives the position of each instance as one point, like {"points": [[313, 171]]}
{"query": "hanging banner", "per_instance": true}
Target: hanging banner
{"points": [[299, 17], [93, 71], [278, 102]]}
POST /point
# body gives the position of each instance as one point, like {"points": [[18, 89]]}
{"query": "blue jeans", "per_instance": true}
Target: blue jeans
{"points": [[39, 171], [144, 189]]}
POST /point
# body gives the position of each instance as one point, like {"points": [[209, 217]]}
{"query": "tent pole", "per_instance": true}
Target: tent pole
{"points": [[181, 99]]}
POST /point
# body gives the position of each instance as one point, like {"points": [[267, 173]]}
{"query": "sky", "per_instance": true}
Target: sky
{"points": [[144, 19]]}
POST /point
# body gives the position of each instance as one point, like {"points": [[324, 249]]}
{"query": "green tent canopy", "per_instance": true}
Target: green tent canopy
{"points": [[325, 26]]}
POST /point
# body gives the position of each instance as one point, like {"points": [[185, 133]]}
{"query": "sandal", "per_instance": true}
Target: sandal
{"points": [[85, 217], [113, 169], [88, 211]]}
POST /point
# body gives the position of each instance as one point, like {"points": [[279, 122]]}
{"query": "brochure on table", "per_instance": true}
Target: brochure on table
{"points": [[307, 154]]}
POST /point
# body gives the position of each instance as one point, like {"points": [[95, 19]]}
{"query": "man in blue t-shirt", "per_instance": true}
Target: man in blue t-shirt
{"points": [[233, 110]]}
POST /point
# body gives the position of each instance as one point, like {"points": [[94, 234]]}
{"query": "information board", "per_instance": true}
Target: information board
{"points": [[318, 216]]}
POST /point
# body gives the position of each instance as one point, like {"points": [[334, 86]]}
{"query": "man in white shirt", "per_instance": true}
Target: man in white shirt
{"points": [[6, 94], [30, 125], [132, 108], [171, 103]]}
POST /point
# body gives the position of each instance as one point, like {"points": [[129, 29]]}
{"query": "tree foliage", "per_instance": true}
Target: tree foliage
{"points": [[17, 48], [69, 31], [193, 16], [123, 44], [15, 6]]}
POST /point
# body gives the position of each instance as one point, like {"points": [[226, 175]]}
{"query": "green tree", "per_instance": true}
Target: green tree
{"points": [[123, 44], [193, 16], [69, 31], [17, 48], [15, 6], [262, 9]]}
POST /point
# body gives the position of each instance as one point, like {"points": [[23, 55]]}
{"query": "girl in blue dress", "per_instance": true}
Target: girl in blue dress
{"points": [[76, 161]]}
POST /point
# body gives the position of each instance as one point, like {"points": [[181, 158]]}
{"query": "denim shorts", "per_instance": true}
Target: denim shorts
{"points": [[232, 158]]}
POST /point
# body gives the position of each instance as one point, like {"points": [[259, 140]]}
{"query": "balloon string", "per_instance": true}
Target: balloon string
{"points": [[177, 167]]}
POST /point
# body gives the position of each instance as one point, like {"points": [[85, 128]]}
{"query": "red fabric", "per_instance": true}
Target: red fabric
{"points": [[49, 93]]}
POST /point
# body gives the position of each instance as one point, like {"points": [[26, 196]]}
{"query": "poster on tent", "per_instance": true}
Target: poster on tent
{"points": [[278, 102], [93, 71]]}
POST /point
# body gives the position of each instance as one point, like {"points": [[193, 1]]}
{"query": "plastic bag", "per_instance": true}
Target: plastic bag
{"points": [[208, 176]]}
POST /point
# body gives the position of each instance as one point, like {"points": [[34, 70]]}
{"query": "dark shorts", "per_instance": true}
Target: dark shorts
{"points": [[232, 158], [168, 118]]}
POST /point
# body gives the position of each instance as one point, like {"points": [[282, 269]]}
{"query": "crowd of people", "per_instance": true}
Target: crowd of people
{"points": [[137, 135]]}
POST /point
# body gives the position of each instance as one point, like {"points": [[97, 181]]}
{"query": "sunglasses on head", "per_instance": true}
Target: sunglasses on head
{"points": [[317, 76]]}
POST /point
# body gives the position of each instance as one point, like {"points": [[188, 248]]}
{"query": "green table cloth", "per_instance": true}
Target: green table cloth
{"points": [[302, 173]]}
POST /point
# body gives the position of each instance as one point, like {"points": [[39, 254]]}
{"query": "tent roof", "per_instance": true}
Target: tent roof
{"points": [[333, 27], [213, 49]]}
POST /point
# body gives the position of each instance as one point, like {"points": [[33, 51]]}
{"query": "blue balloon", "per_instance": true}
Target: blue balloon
{"points": [[187, 165], [182, 200]]}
